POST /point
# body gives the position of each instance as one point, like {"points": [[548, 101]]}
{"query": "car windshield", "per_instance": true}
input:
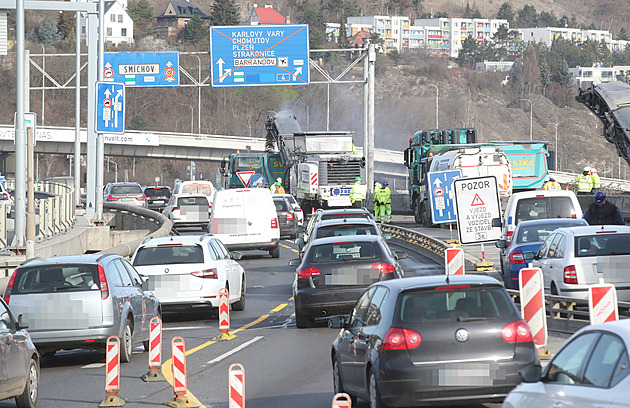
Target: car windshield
{"points": [[157, 192], [168, 254], [458, 303], [537, 208], [341, 230], [540, 232], [602, 244], [54, 278], [344, 251], [344, 215], [192, 201], [126, 190]]}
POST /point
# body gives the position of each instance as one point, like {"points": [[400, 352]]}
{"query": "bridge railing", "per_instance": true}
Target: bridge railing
{"points": [[55, 212]]}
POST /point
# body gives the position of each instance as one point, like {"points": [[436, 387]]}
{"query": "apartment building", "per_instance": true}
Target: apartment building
{"points": [[394, 30]]}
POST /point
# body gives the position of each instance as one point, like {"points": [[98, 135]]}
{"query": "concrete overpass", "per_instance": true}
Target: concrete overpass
{"points": [[166, 145]]}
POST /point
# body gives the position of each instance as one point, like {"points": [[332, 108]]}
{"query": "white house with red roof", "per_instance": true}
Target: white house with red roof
{"points": [[266, 15]]}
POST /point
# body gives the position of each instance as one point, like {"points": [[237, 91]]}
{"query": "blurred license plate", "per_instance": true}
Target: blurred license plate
{"points": [[158, 201], [462, 375]]}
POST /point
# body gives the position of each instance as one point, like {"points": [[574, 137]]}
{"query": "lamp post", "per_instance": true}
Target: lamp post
{"points": [[198, 94], [43, 78], [437, 99], [531, 113], [192, 116]]}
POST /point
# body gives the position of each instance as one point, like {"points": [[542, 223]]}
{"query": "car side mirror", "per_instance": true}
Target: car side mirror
{"points": [[237, 256], [401, 255], [496, 222], [295, 262], [531, 374], [386, 236], [337, 322], [299, 241], [145, 284], [22, 322], [501, 243]]}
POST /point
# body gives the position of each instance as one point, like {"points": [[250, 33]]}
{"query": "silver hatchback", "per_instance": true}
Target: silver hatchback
{"points": [[126, 193], [77, 302]]}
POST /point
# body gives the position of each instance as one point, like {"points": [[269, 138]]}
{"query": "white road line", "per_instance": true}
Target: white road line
{"points": [[236, 350], [185, 328], [94, 365]]}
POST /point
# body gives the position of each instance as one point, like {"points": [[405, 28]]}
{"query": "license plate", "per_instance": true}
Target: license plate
{"points": [[158, 202]]}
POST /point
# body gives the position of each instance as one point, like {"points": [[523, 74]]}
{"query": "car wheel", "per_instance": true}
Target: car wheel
{"points": [[417, 217], [301, 321], [375, 396], [338, 383], [275, 253], [240, 304], [28, 399], [126, 346]]}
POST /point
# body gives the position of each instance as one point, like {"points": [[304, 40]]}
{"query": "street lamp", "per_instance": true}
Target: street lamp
{"points": [[43, 78], [192, 116], [531, 109], [556, 160], [198, 93], [437, 98]]}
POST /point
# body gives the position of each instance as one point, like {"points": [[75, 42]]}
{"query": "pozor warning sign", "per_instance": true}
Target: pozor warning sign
{"points": [[477, 204]]}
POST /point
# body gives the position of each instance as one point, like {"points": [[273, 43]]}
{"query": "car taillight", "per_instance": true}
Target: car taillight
{"points": [[401, 339], [206, 274], [516, 332], [5, 196], [289, 216], [509, 236], [384, 267], [112, 198], [307, 273], [103, 280], [142, 197], [274, 223], [7, 291], [516, 257], [570, 275], [175, 209]]}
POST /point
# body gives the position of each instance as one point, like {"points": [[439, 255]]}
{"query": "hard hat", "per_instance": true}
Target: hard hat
{"points": [[587, 168], [376, 182], [279, 179], [385, 184], [357, 179], [277, 183], [552, 179], [593, 170]]}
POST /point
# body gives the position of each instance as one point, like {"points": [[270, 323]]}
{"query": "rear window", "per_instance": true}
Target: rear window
{"points": [[281, 205], [454, 304], [343, 230], [126, 190], [157, 192], [169, 254], [602, 244], [192, 201], [203, 188], [344, 251], [537, 233], [56, 278], [344, 215], [292, 200], [537, 208]]}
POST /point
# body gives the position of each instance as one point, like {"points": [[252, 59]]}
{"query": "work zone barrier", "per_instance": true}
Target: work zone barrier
{"points": [[155, 352], [112, 374], [224, 311], [236, 384], [416, 238], [602, 303], [533, 306], [180, 383], [454, 261]]}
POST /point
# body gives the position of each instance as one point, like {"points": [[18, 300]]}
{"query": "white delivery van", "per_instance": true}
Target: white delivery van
{"points": [[246, 219], [537, 205]]}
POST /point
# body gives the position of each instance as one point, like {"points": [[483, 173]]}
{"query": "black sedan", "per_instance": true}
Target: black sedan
{"points": [[287, 217], [334, 272], [430, 341]]}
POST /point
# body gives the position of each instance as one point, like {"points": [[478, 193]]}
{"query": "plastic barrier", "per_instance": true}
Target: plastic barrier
{"points": [[224, 311], [180, 384], [236, 374], [454, 261], [602, 303], [155, 352], [533, 306], [339, 401], [112, 374]]}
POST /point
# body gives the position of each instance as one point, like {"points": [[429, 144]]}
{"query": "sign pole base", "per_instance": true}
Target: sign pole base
{"points": [[112, 401]]}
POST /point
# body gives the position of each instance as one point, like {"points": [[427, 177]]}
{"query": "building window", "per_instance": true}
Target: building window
{"points": [[82, 29], [123, 32], [120, 18], [112, 18], [109, 32]]}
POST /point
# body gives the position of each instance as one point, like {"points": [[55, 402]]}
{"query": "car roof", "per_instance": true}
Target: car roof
{"points": [[620, 327], [542, 193], [344, 210], [345, 221], [594, 229], [347, 238], [125, 183], [157, 187], [176, 239], [422, 282], [547, 221], [190, 195], [67, 259]]}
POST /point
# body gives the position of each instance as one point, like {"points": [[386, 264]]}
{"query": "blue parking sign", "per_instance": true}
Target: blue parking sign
{"points": [[442, 195]]}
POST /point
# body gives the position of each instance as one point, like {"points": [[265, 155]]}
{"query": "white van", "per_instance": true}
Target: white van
{"points": [[246, 219], [537, 205]]}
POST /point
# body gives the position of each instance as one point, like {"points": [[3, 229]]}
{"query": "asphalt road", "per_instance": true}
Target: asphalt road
{"points": [[284, 366]]}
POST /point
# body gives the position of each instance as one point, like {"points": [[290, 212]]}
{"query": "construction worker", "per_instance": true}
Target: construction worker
{"points": [[596, 181], [552, 184], [276, 188], [584, 181], [355, 194], [603, 212], [377, 204], [386, 202]]}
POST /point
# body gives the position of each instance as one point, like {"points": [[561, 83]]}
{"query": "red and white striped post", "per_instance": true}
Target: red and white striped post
{"points": [[178, 349], [342, 400], [454, 261], [112, 374], [533, 305], [155, 351], [224, 311], [602, 303], [236, 374]]}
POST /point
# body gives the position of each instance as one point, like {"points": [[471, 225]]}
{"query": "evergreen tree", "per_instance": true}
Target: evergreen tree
{"points": [[545, 73], [66, 24], [225, 12], [517, 82], [313, 15], [564, 76], [623, 34], [527, 16], [466, 56], [47, 33], [546, 19], [140, 11], [194, 31], [506, 13]]}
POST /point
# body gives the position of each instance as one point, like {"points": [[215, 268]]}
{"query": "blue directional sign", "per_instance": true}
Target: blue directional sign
{"points": [[110, 107], [257, 180], [142, 69], [259, 55], [442, 195]]}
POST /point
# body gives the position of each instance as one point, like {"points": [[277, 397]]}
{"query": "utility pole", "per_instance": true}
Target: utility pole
{"points": [[370, 156]]}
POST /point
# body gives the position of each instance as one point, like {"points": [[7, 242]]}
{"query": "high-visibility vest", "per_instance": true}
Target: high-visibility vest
{"points": [[377, 188], [354, 192], [384, 195], [595, 179], [585, 183], [552, 185]]}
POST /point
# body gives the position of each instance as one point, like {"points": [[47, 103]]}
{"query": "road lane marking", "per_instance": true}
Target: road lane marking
{"points": [[235, 350], [288, 247], [279, 308], [186, 328], [94, 365]]}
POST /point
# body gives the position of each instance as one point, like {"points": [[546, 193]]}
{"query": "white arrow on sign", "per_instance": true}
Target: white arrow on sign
{"points": [[117, 107], [298, 71], [220, 63], [107, 95]]}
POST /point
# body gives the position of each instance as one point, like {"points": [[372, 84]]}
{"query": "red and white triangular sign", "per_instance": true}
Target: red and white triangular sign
{"points": [[477, 201], [244, 176]]}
